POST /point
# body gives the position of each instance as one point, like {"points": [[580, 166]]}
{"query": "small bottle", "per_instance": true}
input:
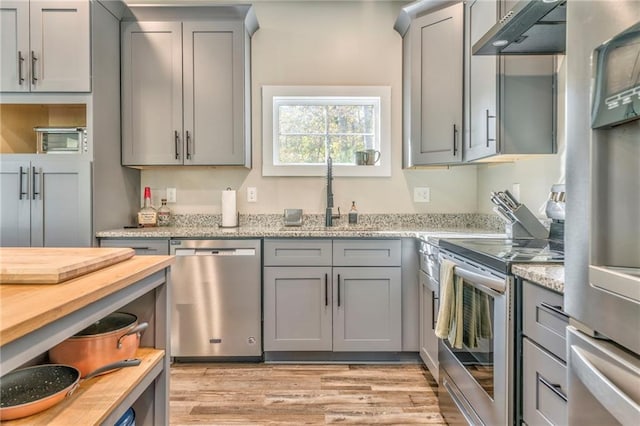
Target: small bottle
{"points": [[353, 213], [147, 216], [164, 214]]}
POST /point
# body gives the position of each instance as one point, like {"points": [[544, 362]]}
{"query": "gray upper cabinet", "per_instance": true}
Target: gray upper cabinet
{"points": [[481, 74], [185, 93], [433, 88], [46, 202], [510, 101], [46, 46], [152, 93]]}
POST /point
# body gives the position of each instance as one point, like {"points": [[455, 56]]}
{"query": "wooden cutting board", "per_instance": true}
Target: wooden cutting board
{"points": [[43, 265]]}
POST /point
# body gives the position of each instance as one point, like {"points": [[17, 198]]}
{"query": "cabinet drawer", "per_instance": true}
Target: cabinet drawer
{"points": [[142, 246], [543, 319], [297, 252], [544, 387], [367, 252]]}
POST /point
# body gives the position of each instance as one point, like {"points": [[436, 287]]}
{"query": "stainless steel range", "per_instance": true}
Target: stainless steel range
{"points": [[476, 361]]}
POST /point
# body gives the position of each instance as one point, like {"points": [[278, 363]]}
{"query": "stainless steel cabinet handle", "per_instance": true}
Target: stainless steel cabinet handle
{"points": [[326, 289], [35, 193], [433, 310], [177, 143], [487, 123], [22, 193], [188, 138], [553, 388], [455, 137], [338, 290], [33, 67], [20, 65], [555, 309]]}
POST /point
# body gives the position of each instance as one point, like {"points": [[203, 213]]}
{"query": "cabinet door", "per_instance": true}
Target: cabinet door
{"points": [[213, 95], [61, 203], [544, 383], [437, 81], [15, 204], [481, 83], [428, 314], [297, 309], [60, 39], [152, 93], [367, 313], [14, 52]]}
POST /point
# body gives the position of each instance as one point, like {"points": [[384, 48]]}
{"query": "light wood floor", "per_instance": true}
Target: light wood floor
{"points": [[277, 394]]}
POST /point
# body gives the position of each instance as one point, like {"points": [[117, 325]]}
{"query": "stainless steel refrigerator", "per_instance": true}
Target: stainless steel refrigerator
{"points": [[602, 229]]}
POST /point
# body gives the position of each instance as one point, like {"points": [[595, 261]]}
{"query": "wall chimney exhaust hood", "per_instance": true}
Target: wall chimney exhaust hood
{"points": [[531, 27]]}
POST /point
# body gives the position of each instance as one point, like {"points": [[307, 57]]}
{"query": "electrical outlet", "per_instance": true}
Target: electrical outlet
{"points": [[171, 195], [252, 194], [421, 195]]}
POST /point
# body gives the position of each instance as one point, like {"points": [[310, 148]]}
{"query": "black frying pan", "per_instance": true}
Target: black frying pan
{"points": [[30, 390]]}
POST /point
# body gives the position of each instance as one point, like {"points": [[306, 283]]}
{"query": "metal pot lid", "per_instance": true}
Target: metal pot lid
{"points": [[33, 384], [112, 322]]}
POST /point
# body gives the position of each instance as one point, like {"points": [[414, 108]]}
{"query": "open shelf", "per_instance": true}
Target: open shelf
{"points": [[95, 399]]}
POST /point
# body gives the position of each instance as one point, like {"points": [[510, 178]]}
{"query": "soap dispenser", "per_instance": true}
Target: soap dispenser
{"points": [[353, 213]]}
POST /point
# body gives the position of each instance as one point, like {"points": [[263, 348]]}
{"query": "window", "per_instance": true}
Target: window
{"points": [[303, 125]]}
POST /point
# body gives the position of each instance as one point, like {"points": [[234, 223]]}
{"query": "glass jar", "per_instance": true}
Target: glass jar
{"points": [[164, 214]]}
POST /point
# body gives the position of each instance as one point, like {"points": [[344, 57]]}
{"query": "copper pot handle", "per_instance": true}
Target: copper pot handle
{"points": [[135, 330]]}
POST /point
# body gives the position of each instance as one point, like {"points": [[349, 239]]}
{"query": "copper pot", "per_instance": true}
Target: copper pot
{"points": [[113, 338], [34, 389]]}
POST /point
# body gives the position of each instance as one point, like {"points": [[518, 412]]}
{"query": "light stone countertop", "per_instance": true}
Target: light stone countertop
{"points": [[432, 234], [549, 276]]}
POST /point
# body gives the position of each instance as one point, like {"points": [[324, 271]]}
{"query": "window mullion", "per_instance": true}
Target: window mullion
{"points": [[327, 148]]}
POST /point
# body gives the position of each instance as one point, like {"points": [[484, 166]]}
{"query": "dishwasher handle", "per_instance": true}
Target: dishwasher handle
{"points": [[216, 252]]}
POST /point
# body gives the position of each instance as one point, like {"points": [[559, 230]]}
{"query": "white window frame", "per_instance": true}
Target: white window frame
{"points": [[270, 95]]}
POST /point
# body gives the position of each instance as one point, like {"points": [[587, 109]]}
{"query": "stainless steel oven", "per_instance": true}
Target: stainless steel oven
{"points": [[476, 367]]}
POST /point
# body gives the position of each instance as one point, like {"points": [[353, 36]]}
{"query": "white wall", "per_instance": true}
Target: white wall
{"points": [[323, 43]]}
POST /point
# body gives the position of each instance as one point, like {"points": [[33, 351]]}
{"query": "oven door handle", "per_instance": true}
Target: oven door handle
{"points": [[479, 280]]}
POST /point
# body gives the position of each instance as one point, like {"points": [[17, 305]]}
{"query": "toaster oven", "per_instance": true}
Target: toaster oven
{"points": [[61, 140]]}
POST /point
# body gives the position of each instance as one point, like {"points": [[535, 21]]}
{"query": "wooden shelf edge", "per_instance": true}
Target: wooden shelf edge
{"points": [[94, 399]]}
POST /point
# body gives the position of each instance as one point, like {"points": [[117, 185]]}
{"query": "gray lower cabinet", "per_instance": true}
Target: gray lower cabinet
{"points": [[45, 202], [429, 295], [367, 309], [142, 246], [544, 368], [313, 304], [297, 309]]}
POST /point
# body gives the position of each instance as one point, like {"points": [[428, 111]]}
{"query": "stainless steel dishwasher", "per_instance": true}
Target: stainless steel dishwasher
{"points": [[216, 298]]}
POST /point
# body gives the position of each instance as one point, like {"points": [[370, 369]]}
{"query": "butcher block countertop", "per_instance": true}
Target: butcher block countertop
{"points": [[27, 307]]}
